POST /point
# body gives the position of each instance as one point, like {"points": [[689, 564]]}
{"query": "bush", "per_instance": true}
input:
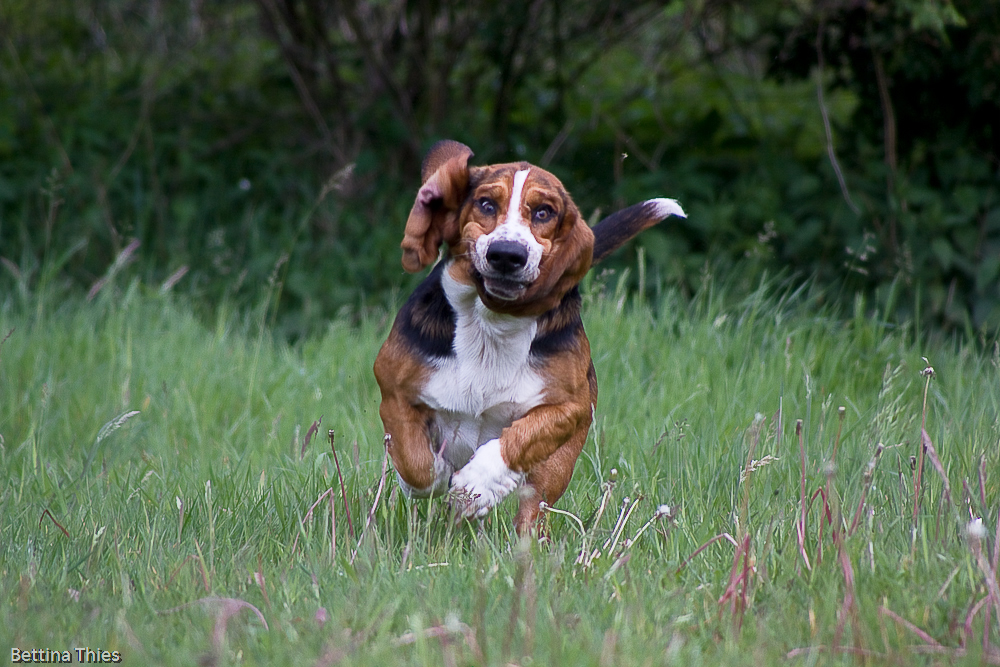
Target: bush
{"points": [[245, 142]]}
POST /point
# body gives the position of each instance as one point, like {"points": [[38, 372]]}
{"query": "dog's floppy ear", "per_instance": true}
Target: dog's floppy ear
{"points": [[434, 216], [571, 255]]}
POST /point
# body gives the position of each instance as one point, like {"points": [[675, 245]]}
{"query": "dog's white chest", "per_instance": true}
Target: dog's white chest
{"points": [[488, 382]]}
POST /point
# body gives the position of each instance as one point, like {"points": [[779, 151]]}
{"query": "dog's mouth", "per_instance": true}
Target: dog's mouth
{"points": [[504, 287], [501, 287]]}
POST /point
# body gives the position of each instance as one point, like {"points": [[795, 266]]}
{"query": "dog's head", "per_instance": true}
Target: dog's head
{"points": [[512, 229]]}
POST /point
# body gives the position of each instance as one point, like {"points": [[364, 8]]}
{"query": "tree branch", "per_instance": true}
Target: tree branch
{"points": [[826, 123]]}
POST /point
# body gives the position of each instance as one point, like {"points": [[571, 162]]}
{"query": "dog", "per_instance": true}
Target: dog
{"points": [[486, 378]]}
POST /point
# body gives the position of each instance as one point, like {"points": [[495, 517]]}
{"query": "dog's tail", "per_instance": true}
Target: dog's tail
{"points": [[612, 232]]}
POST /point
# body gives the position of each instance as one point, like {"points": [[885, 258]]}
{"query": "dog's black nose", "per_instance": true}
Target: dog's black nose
{"points": [[507, 256]]}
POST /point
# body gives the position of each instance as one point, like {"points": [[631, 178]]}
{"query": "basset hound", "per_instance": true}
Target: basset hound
{"points": [[486, 378]]}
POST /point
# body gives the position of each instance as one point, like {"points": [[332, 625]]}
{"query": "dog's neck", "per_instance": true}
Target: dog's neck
{"points": [[477, 324]]}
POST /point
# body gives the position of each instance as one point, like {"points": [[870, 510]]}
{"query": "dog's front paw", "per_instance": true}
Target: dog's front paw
{"points": [[441, 481], [483, 482]]}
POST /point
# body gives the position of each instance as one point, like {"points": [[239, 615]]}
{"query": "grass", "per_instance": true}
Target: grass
{"points": [[167, 492]]}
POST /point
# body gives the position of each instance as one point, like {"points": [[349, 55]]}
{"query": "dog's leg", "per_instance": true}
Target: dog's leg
{"points": [[417, 455], [547, 481], [501, 465]]}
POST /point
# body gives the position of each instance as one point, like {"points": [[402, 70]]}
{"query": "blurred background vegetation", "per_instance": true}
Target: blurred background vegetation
{"points": [[218, 147]]}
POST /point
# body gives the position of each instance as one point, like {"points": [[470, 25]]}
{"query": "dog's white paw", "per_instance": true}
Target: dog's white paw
{"points": [[483, 482]]}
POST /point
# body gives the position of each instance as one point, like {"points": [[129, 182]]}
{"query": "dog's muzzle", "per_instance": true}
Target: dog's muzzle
{"points": [[504, 269], [507, 258]]}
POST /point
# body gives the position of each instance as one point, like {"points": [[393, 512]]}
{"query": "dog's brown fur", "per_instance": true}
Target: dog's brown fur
{"points": [[542, 443]]}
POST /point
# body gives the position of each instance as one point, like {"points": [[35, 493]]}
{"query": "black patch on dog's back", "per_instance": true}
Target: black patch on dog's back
{"points": [[427, 320], [559, 329]]}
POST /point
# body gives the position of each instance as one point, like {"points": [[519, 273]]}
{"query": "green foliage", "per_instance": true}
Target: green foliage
{"points": [[855, 144], [176, 456], [922, 147]]}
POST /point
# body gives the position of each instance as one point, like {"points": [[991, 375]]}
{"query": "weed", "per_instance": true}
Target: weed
{"points": [[188, 498]]}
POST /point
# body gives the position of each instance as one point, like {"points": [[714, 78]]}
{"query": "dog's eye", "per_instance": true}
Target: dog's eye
{"points": [[487, 206], [543, 213]]}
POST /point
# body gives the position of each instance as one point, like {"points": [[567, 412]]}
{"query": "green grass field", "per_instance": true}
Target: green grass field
{"points": [[161, 495]]}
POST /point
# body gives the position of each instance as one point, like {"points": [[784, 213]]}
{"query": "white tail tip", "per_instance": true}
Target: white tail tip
{"points": [[667, 207]]}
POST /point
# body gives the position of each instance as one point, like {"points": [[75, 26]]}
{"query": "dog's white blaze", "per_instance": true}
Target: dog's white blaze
{"points": [[514, 209], [513, 228], [488, 382], [484, 481]]}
